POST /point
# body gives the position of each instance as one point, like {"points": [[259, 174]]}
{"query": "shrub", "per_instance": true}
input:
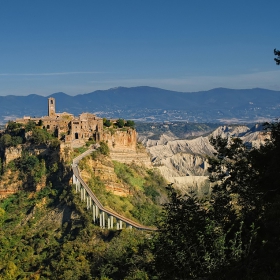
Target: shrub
{"points": [[120, 123], [30, 126], [104, 149], [106, 122], [130, 123]]}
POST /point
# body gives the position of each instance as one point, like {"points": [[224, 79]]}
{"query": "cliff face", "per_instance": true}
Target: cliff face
{"points": [[15, 177], [184, 162], [123, 147], [9, 183], [104, 169], [12, 153]]}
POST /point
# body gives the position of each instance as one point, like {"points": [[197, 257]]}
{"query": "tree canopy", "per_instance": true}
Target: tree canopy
{"points": [[277, 59], [120, 123], [106, 122], [235, 233]]}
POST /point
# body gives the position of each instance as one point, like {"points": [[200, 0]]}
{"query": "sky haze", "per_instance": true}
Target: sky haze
{"points": [[81, 46]]}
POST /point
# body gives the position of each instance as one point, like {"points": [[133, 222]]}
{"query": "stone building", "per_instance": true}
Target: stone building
{"points": [[73, 130]]}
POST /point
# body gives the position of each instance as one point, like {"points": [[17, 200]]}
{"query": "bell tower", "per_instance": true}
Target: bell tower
{"points": [[51, 107]]}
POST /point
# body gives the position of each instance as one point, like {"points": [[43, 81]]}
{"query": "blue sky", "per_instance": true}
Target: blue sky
{"points": [[77, 47]]}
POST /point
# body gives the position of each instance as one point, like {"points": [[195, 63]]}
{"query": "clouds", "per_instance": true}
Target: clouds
{"points": [[48, 74]]}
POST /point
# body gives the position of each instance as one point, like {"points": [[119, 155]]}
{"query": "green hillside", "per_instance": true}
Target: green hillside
{"points": [[47, 232]]}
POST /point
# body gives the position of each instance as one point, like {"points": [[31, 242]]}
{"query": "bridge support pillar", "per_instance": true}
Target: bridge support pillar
{"points": [[74, 179], [102, 219], [96, 212], [110, 222], [93, 213], [119, 224]]}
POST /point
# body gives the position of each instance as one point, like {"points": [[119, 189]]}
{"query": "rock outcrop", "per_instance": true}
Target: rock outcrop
{"points": [[104, 169], [9, 183], [123, 147], [12, 153], [184, 162]]}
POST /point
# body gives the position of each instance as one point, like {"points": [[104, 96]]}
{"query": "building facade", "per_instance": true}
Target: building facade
{"points": [[73, 130]]}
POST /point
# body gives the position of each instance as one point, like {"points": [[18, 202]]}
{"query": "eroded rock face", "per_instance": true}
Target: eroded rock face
{"points": [[9, 183], [184, 162], [123, 147], [104, 169], [12, 153]]}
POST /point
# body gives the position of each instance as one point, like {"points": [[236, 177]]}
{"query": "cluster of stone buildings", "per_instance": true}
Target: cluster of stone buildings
{"points": [[73, 130]]}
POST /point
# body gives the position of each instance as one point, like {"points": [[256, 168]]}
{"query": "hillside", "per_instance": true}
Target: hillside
{"points": [[46, 230], [154, 104]]}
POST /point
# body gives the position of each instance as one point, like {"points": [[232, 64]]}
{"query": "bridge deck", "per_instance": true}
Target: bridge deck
{"points": [[76, 172]]}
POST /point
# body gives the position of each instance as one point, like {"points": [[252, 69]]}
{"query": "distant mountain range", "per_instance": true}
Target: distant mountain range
{"points": [[144, 103]]}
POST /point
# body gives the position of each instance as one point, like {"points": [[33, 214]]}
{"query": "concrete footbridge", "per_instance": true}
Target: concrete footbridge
{"points": [[102, 216]]}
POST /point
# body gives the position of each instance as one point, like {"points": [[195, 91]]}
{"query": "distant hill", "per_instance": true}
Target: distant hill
{"points": [[155, 104]]}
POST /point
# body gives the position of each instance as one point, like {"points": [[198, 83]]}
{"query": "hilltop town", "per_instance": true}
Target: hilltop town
{"points": [[68, 133], [72, 130]]}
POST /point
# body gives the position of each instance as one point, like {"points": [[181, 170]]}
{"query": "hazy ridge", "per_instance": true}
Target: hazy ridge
{"points": [[154, 104]]}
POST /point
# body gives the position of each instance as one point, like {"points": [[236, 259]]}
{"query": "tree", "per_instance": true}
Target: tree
{"points": [[10, 141], [104, 149], [13, 127], [130, 123], [120, 123], [235, 233], [106, 122], [40, 136], [6, 140], [1, 167], [30, 126], [40, 123], [277, 59], [191, 243]]}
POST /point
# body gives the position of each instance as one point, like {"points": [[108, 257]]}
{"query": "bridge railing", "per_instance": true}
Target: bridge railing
{"points": [[105, 217]]}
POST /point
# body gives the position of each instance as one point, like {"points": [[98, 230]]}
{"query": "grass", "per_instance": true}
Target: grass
{"points": [[146, 188]]}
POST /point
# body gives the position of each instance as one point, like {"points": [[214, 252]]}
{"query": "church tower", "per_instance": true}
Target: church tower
{"points": [[51, 107]]}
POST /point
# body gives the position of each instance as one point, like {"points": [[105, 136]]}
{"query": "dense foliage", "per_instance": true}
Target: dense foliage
{"points": [[235, 233], [38, 240], [277, 59], [145, 189], [106, 122], [17, 133], [38, 243], [120, 123]]}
